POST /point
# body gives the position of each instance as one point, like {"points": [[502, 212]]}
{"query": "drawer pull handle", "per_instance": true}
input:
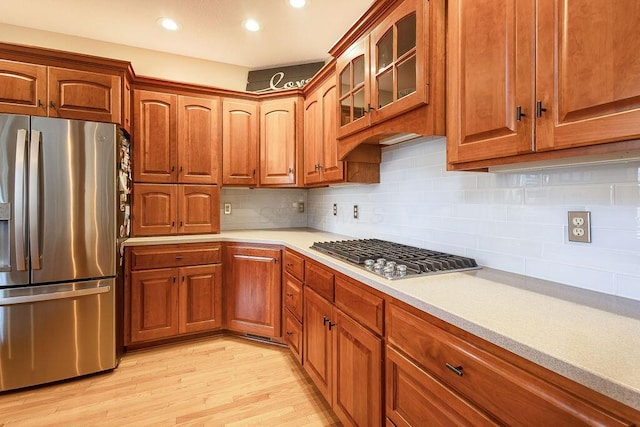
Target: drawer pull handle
{"points": [[455, 369], [289, 265], [289, 333], [325, 320], [331, 325], [178, 256], [290, 295]]}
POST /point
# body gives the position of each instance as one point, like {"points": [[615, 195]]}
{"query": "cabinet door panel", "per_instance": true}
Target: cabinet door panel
{"points": [[415, 398], [200, 298], [23, 88], [491, 73], [581, 49], [154, 304], [317, 341], [293, 295], [253, 290], [239, 142], [312, 139], [198, 140], [154, 137], [278, 142], [293, 335], [198, 209], [332, 168], [353, 100], [154, 209], [82, 95], [357, 372]]}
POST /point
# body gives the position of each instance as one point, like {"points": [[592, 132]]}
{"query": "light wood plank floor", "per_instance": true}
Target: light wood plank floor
{"points": [[218, 381]]}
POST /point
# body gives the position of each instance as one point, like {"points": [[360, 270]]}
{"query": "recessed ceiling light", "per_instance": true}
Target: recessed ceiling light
{"points": [[168, 24], [298, 3], [251, 25]]}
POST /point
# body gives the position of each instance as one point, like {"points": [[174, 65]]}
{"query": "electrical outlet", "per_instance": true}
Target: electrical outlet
{"points": [[335, 209], [355, 211], [227, 208], [300, 207], [580, 226]]}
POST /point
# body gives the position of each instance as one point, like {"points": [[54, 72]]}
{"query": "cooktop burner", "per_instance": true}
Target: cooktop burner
{"points": [[394, 260]]}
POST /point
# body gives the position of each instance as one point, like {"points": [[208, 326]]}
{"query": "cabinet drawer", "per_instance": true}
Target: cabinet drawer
{"points": [[293, 335], [294, 265], [320, 280], [512, 395], [293, 295], [363, 306], [148, 257], [415, 398]]}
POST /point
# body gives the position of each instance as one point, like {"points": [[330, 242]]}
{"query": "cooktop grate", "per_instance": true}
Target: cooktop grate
{"points": [[416, 260]]}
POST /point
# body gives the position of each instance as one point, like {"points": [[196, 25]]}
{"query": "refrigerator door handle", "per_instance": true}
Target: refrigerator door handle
{"points": [[27, 299], [34, 199], [21, 264]]}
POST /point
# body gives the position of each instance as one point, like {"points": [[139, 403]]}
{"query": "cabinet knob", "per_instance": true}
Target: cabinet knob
{"points": [[254, 172], [290, 265], [173, 168], [331, 325], [325, 320], [52, 105], [181, 169], [40, 104], [181, 223], [289, 333], [289, 295], [290, 170], [519, 113], [174, 279], [455, 369]]}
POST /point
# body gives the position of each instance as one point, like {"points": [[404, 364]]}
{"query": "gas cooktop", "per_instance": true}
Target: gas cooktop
{"points": [[394, 260]]}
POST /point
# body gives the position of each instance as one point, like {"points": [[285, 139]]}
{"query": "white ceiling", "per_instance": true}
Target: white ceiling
{"points": [[210, 29]]}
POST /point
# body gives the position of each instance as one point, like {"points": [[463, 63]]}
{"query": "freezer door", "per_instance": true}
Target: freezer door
{"points": [[72, 200], [14, 264], [54, 332]]}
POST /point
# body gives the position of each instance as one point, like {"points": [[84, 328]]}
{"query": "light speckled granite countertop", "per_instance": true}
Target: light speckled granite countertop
{"points": [[592, 338]]}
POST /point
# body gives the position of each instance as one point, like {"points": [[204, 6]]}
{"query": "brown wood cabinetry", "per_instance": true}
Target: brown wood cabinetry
{"points": [[293, 302], [240, 142], [540, 81], [253, 290], [175, 138], [474, 370], [279, 150], [172, 290], [395, 67], [342, 357], [163, 209], [39, 90]]}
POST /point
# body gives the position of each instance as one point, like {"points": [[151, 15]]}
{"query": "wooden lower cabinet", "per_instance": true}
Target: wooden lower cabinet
{"points": [[344, 360], [253, 290], [415, 398], [165, 297], [293, 335]]}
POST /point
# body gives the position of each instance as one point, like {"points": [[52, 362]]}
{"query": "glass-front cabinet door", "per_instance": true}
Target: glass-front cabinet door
{"points": [[399, 61], [353, 86]]}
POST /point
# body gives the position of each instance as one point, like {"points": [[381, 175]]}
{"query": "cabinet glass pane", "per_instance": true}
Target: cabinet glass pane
{"points": [[406, 34], [358, 71], [345, 81], [358, 104], [407, 77], [385, 50], [345, 110], [385, 88]]}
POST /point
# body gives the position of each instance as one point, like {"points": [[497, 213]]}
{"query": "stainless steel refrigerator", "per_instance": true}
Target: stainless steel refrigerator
{"points": [[57, 249]]}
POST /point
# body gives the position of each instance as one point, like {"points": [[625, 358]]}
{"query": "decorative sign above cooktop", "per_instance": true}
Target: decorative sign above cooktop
{"points": [[282, 78]]}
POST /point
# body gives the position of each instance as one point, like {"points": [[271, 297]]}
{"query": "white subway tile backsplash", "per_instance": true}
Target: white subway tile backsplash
{"points": [[513, 221], [262, 208]]}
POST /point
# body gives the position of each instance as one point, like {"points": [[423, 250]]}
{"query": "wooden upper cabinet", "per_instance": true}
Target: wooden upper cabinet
{"points": [[23, 88], [278, 151], [399, 62], [198, 209], [155, 209], [491, 79], [587, 72], [154, 137], [354, 91], [534, 77], [239, 142], [83, 95], [321, 164], [253, 286], [198, 139]]}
